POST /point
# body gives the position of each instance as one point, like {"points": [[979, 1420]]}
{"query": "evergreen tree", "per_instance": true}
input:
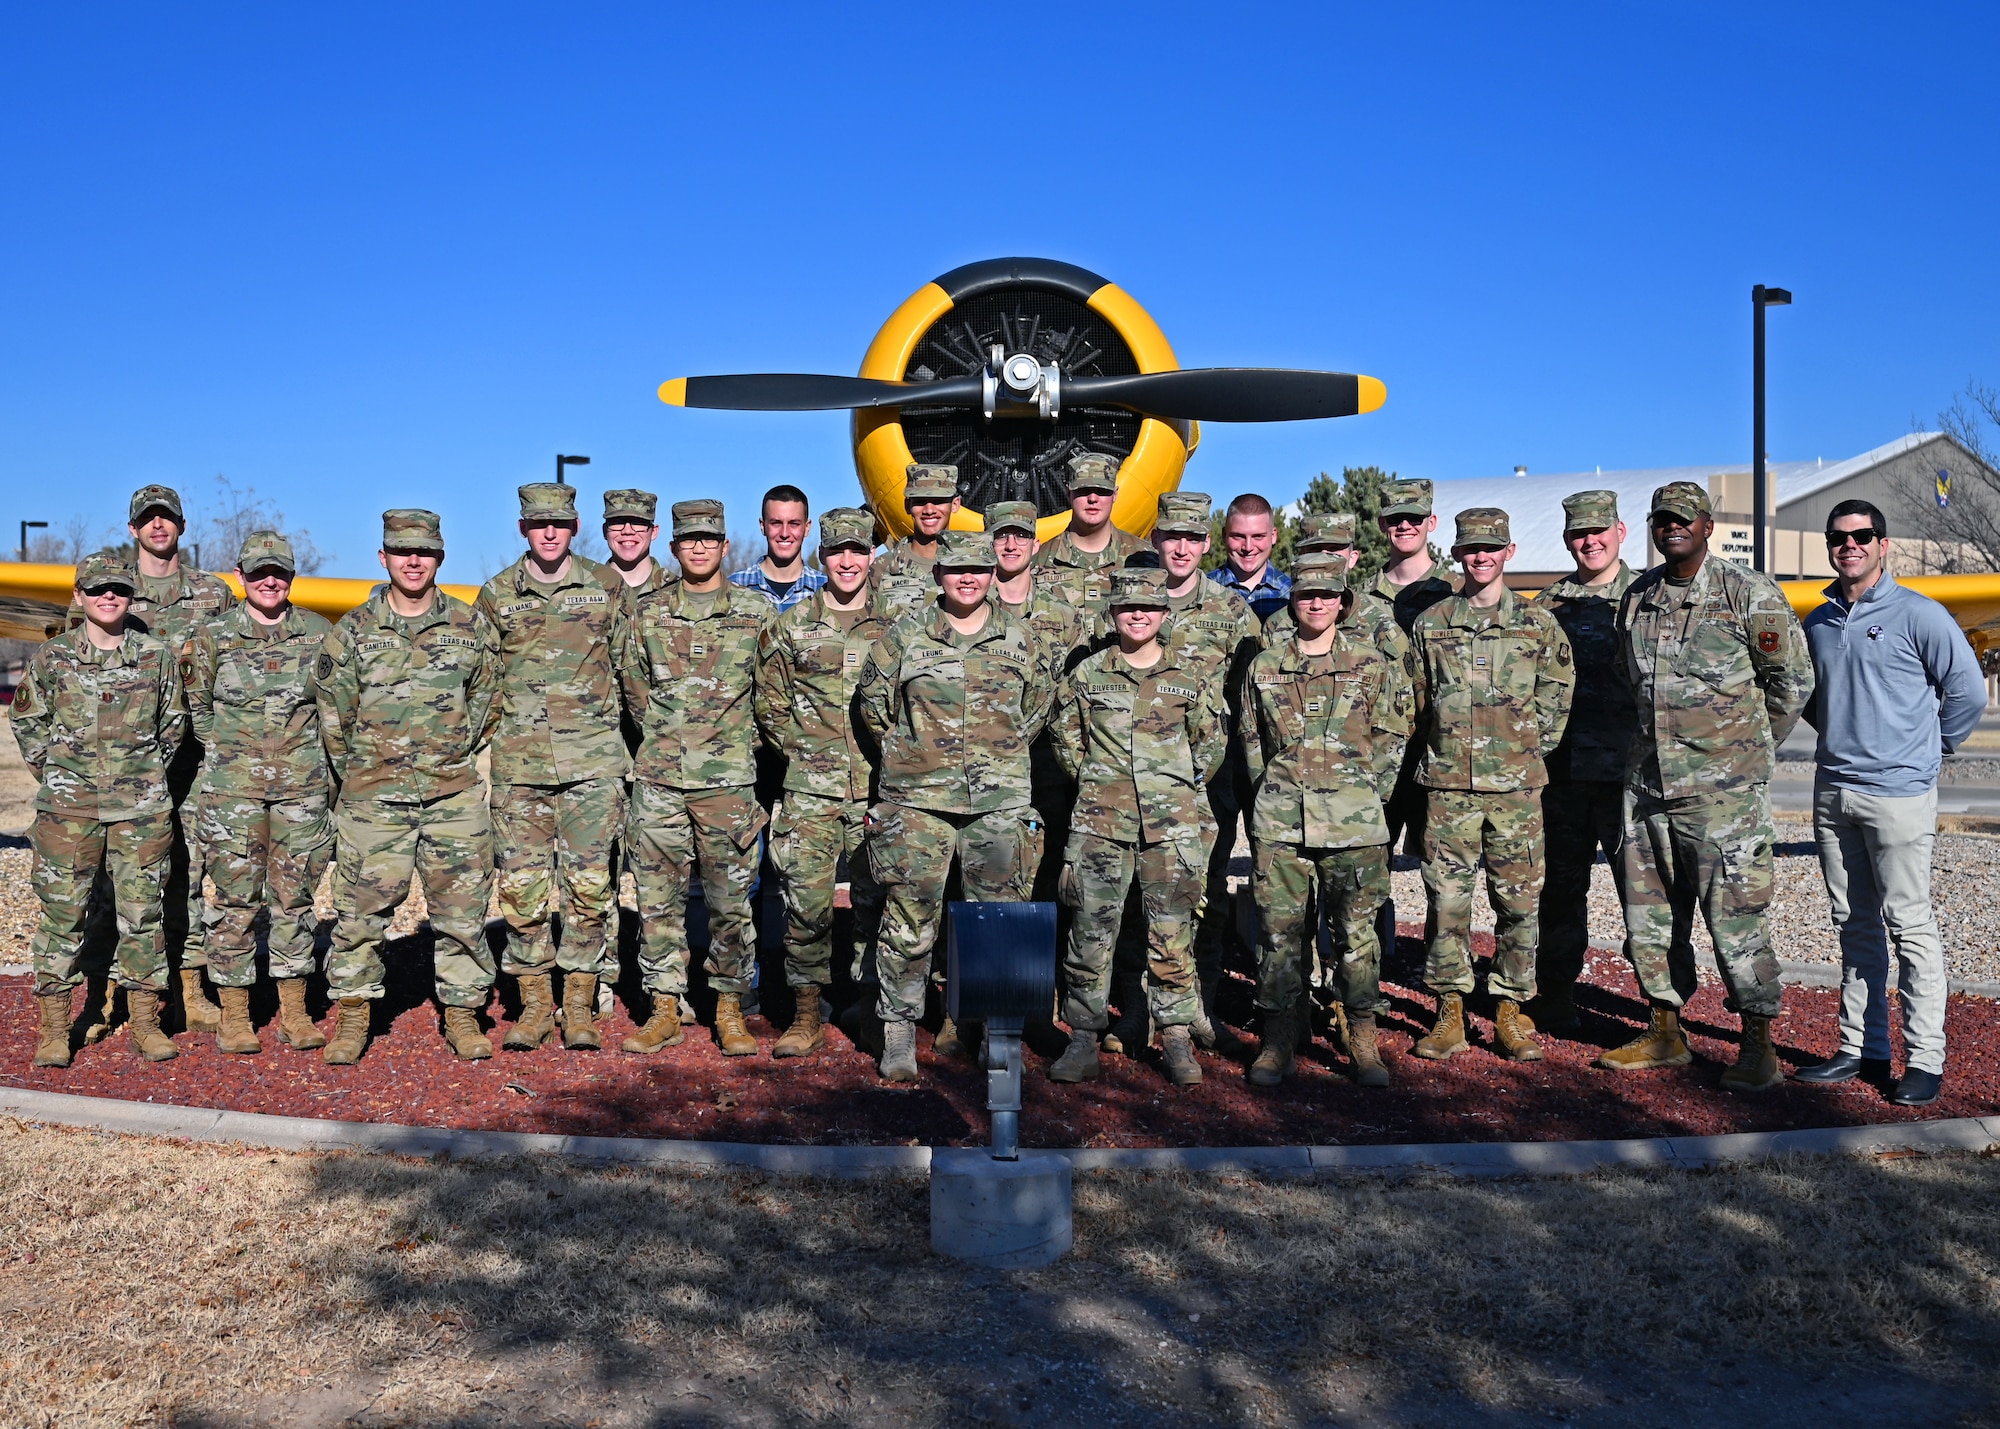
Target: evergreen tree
{"points": [[1361, 492]]}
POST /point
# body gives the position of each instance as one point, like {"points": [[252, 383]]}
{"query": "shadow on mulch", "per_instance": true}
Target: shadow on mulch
{"points": [[834, 1098]]}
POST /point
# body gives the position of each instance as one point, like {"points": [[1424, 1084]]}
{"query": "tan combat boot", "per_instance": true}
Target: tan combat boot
{"points": [[580, 1032], [143, 1005], [461, 1029], [295, 1025], [899, 1051], [236, 1034], [200, 1014], [350, 1032], [1364, 1057], [1278, 1055], [1447, 1034], [1660, 1046], [662, 1029], [537, 1022], [1756, 1068], [730, 1034], [806, 1035], [1515, 1033], [53, 1048], [948, 1042], [1177, 1053]]}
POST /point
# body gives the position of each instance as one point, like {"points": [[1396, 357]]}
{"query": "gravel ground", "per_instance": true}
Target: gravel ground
{"points": [[1965, 873]]}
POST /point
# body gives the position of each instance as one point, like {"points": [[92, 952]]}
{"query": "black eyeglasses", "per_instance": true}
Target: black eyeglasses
{"points": [[1863, 538], [95, 591]]}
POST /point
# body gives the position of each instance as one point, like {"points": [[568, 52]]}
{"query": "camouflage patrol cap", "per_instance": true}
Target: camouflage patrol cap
{"points": [[1319, 573], [1590, 511], [1092, 472], [146, 498], [1010, 516], [1182, 513], [548, 501], [630, 504], [1407, 498], [964, 551], [1324, 530], [927, 481], [410, 528], [1138, 586], [1685, 499], [262, 550], [105, 568], [701, 517], [1482, 526], [846, 526]]}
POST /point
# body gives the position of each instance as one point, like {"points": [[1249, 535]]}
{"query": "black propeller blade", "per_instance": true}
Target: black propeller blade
{"points": [[1231, 394], [810, 392]]}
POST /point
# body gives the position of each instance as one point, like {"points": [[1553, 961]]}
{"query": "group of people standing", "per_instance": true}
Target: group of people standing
{"points": [[1085, 719]]}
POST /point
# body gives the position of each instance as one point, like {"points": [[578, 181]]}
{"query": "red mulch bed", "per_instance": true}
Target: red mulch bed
{"points": [[692, 1091]]}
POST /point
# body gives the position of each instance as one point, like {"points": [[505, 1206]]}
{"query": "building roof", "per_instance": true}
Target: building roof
{"points": [[1534, 503]]}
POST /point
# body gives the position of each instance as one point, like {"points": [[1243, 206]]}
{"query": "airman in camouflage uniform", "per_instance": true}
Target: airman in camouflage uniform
{"points": [[1066, 634], [1332, 533], [809, 662], [1081, 576], [953, 698], [901, 576], [1325, 717], [1211, 627], [98, 716], [689, 665], [1142, 732], [1583, 804], [629, 531], [266, 790], [1720, 671], [1407, 519], [1494, 680], [559, 766], [172, 606], [408, 692]]}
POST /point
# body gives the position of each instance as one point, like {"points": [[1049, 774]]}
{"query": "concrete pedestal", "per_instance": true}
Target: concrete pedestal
{"points": [[1000, 1214]]}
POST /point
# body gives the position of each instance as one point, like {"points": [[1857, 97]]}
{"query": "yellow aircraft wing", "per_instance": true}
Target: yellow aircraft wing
{"points": [[1974, 602], [33, 598]]}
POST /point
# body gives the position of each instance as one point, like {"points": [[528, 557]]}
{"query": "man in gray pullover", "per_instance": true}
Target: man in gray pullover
{"points": [[1898, 688]]}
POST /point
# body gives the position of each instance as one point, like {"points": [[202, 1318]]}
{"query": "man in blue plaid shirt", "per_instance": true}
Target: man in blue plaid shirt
{"points": [[783, 577]]}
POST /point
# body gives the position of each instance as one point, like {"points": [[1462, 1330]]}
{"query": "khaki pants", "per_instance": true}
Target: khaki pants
{"points": [[1876, 854]]}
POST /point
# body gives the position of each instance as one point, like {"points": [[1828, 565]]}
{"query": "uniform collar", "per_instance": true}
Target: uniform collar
{"points": [[1570, 586], [438, 614], [578, 574], [243, 622], [940, 629], [1459, 612]]}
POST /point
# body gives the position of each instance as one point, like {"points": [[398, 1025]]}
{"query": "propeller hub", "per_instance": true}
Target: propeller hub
{"points": [[1018, 385]]}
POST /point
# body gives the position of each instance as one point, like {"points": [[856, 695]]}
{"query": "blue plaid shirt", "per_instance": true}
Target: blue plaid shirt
{"points": [[809, 581], [1270, 595]]}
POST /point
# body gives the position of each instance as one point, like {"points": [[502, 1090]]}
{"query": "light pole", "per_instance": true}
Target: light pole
{"points": [[563, 461], [1761, 298], [27, 526]]}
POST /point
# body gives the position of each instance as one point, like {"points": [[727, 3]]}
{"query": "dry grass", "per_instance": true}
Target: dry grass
{"points": [[157, 1283]]}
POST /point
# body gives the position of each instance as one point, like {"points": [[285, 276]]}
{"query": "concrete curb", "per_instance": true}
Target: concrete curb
{"points": [[1474, 1159]]}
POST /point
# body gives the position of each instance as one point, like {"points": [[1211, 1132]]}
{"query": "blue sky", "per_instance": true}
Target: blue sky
{"points": [[363, 256]]}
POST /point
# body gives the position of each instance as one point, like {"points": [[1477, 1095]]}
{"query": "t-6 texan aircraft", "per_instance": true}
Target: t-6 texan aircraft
{"points": [[1007, 369]]}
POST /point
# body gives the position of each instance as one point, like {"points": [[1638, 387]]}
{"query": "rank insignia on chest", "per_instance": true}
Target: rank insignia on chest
{"points": [[1479, 661], [1315, 706], [697, 649], [1767, 641], [850, 658], [274, 664]]}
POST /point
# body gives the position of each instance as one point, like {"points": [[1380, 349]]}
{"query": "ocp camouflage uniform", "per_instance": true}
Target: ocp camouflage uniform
{"points": [[1323, 739], [559, 759], [953, 716], [266, 788], [99, 729], [809, 665], [900, 579], [174, 608], [1404, 604], [1142, 745], [1079, 577], [689, 666], [405, 706], [1493, 694], [1583, 803], [1720, 672]]}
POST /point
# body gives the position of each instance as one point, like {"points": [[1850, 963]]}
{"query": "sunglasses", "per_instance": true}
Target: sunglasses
{"points": [[94, 591], [1863, 538], [1392, 522]]}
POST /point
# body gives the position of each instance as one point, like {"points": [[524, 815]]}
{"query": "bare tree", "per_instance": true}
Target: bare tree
{"points": [[1961, 520], [236, 513], [78, 537]]}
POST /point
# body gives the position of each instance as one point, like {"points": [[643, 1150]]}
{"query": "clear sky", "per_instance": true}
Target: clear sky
{"points": [[363, 255]]}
